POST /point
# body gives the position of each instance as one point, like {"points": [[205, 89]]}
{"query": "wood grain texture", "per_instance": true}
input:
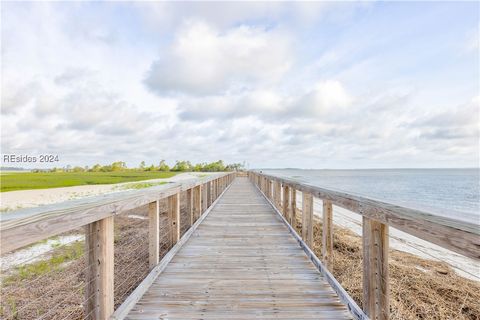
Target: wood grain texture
{"points": [[26, 226], [204, 198], [327, 235], [286, 202], [375, 269], [122, 311], [189, 206], [173, 211], [153, 234], [99, 275], [209, 194], [197, 202], [240, 263], [293, 199], [456, 235], [352, 306], [307, 218], [277, 194], [269, 189]]}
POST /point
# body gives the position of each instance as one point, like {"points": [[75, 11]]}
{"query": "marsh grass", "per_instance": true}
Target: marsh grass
{"points": [[45, 180], [419, 288], [63, 254], [140, 185]]}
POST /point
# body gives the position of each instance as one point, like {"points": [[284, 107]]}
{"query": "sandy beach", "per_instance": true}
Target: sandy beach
{"points": [[405, 242]]}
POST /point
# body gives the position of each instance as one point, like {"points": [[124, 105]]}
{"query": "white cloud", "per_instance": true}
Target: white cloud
{"points": [[324, 99], [204, 60], [241, 81]]}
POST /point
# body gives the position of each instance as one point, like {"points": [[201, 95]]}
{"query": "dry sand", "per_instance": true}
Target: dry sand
{"points": [[13, 200], [405, 242]]}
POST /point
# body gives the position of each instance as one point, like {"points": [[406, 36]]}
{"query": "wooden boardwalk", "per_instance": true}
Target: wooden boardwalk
{"points": [[240, 263]]}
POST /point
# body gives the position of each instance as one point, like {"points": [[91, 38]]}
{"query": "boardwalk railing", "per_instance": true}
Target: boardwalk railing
{"points": [[458, 236], [96, 215]]}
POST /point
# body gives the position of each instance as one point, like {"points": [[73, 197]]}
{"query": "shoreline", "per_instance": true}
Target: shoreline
{"points": [[405, 242]]}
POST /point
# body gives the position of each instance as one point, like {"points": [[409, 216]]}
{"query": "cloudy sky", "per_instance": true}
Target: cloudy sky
{"points": [[312, 85]]}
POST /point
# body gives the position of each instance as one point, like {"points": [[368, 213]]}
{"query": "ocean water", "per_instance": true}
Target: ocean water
{"points": [[454, 193]]}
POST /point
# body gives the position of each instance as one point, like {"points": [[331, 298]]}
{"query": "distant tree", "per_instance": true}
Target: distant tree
{"points": [[150, 168], [214, 166], [182, 166], [234, 167], [118, 166], [106, 168], [78, 169], [163, 166], [142, 165], [198, 167], [96, 168]]}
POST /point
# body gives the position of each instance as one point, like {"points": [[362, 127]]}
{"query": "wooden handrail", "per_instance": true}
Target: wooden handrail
{"points": [[26, 226], [459, 236], [96, 214]]}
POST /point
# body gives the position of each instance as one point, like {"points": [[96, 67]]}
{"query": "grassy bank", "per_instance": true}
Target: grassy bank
{"points": [[44, 180], [419, 288]]}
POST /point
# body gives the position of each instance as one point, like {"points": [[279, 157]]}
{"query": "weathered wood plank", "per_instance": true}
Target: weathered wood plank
{"points": [[174, 217], [307, 218], [197, 203], [99, 276], [189, 206], [375, 269], [209, 194], [286, 202], [327, 235], [456, 235], [135, 296], [26, 226], [240, 263], [204, 198], [293, 199], [153, 234]]}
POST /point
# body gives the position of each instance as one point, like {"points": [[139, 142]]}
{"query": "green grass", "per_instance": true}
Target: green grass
{"points": [[63, 254], [140, 185], [43, 180]]}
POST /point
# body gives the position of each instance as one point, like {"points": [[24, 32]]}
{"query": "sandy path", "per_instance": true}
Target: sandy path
{"points": [[13, 200]]}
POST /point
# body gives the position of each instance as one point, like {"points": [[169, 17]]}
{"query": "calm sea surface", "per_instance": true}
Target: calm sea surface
{"points": [[449, 192]]}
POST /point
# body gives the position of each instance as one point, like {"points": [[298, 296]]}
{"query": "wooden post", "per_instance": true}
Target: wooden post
{"points": [[214, 190], [153, 234], [174, 217], [293, 199], [189, 207], [99, 291], [204, 197], [209, 194], [327, 234], [307, 218], [375, 269], [270, 185], [197, 202], [269, 189], [286, 202], [277, 194]]}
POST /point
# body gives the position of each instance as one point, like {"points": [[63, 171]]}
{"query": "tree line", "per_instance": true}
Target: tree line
{"points": [[180, 166]]}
